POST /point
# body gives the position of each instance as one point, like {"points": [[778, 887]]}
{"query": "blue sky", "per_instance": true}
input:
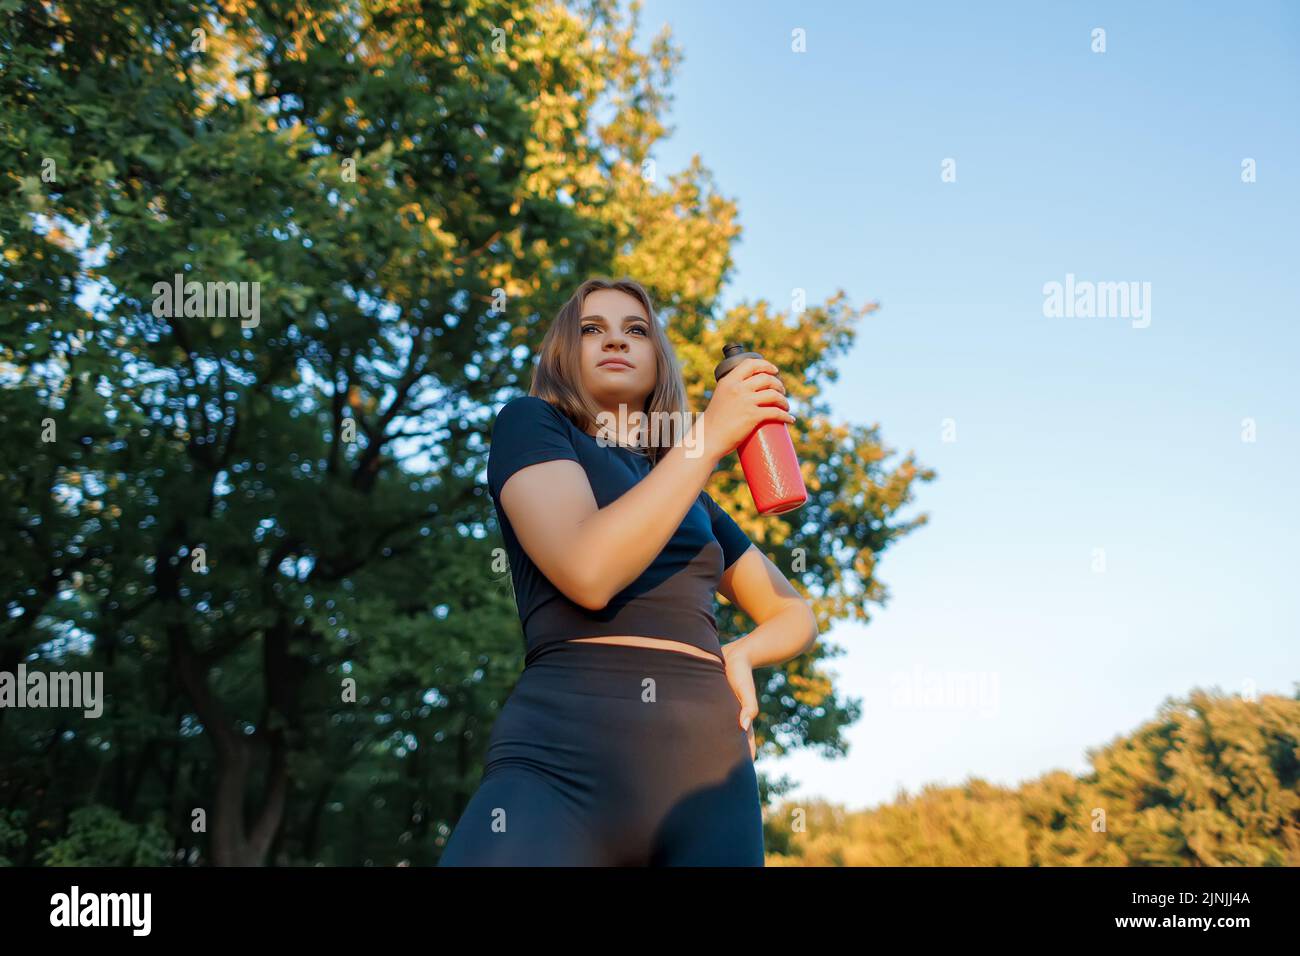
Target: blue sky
{"points": [[1072, 434]]}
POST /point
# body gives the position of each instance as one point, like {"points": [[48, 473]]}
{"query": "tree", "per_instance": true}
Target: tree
{"points": [[1212, 780], [257, 505]]}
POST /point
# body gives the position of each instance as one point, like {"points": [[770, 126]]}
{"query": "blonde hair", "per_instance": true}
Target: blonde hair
{"points": [[558, 376]]}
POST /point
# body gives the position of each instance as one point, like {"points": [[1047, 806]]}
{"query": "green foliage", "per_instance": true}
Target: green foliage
{"points": [[233, 521], [12, 834], [1211, 781], [97, 836]]}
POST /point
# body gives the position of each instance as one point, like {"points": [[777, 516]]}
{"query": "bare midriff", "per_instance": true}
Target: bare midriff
{"points": [[656, 642]]}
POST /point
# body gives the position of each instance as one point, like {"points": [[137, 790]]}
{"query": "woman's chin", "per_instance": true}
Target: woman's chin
{"points": [[610, 395]]}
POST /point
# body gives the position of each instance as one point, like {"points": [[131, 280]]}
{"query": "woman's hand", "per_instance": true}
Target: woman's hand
{"points": [[740, 675], [746, 397]]}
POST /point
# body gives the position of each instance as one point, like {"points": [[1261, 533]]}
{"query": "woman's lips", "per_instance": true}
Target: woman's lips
{"points": [[614, 363]]}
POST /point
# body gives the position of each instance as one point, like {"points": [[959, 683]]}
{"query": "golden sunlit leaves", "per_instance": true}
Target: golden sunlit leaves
{"points": [[240, 185]]}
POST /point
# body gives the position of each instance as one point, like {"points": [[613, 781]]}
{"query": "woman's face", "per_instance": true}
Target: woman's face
{"points": [[614, 325]]}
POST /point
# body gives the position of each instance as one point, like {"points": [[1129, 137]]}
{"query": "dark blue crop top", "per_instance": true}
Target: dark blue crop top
{"points": [[671, 599]]}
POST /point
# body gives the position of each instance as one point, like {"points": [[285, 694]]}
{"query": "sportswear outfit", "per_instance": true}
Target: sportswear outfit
{"points": [[609, 754]]}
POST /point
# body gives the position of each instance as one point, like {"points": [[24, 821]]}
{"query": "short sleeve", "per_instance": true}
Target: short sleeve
{"points": [[734, 541], [527, 430]]}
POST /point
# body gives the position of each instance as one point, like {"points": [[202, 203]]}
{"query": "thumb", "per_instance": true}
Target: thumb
{"points": [[748, 711]]}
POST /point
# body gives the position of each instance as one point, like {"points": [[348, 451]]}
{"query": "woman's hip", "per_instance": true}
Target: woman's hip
{"points": [[598, 714]]}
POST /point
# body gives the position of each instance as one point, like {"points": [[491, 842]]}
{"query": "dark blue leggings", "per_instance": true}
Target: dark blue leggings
{"points": [[614, 755]]}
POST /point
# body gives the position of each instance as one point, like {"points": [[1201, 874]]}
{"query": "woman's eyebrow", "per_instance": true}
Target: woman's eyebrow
{"points": [[626, 318]]}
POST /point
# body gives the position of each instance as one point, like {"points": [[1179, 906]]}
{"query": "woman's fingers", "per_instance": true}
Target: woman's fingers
{"points": [[748, 711], [772, 396], [747, 697], [758, 366], [741, 679], [765, 380]]}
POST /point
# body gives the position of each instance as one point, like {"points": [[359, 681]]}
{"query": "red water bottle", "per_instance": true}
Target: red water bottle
{"points": [[767, 455]]}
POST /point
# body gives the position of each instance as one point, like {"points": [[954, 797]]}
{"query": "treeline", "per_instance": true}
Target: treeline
{"points": [[1212, 780]]}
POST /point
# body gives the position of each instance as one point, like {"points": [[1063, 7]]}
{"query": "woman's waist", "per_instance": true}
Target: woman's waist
{"points": [[631, 652], [656, 643], [644, 615]]}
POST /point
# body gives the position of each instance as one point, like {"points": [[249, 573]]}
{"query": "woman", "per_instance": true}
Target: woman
{"points": [[622, 743]]}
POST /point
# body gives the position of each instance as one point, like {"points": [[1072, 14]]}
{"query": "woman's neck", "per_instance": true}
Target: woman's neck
{"points": [[627, 433]]}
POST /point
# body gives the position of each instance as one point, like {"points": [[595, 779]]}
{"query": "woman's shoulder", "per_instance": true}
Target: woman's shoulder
{"points": [[527, 430], [527, 411], [525, 405]]}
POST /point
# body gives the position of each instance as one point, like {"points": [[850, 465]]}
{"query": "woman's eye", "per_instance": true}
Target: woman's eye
{"points": [[636, 328]]}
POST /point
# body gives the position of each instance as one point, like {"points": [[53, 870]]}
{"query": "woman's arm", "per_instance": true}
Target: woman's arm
{"points": [[592, 553], [787, 626]]}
